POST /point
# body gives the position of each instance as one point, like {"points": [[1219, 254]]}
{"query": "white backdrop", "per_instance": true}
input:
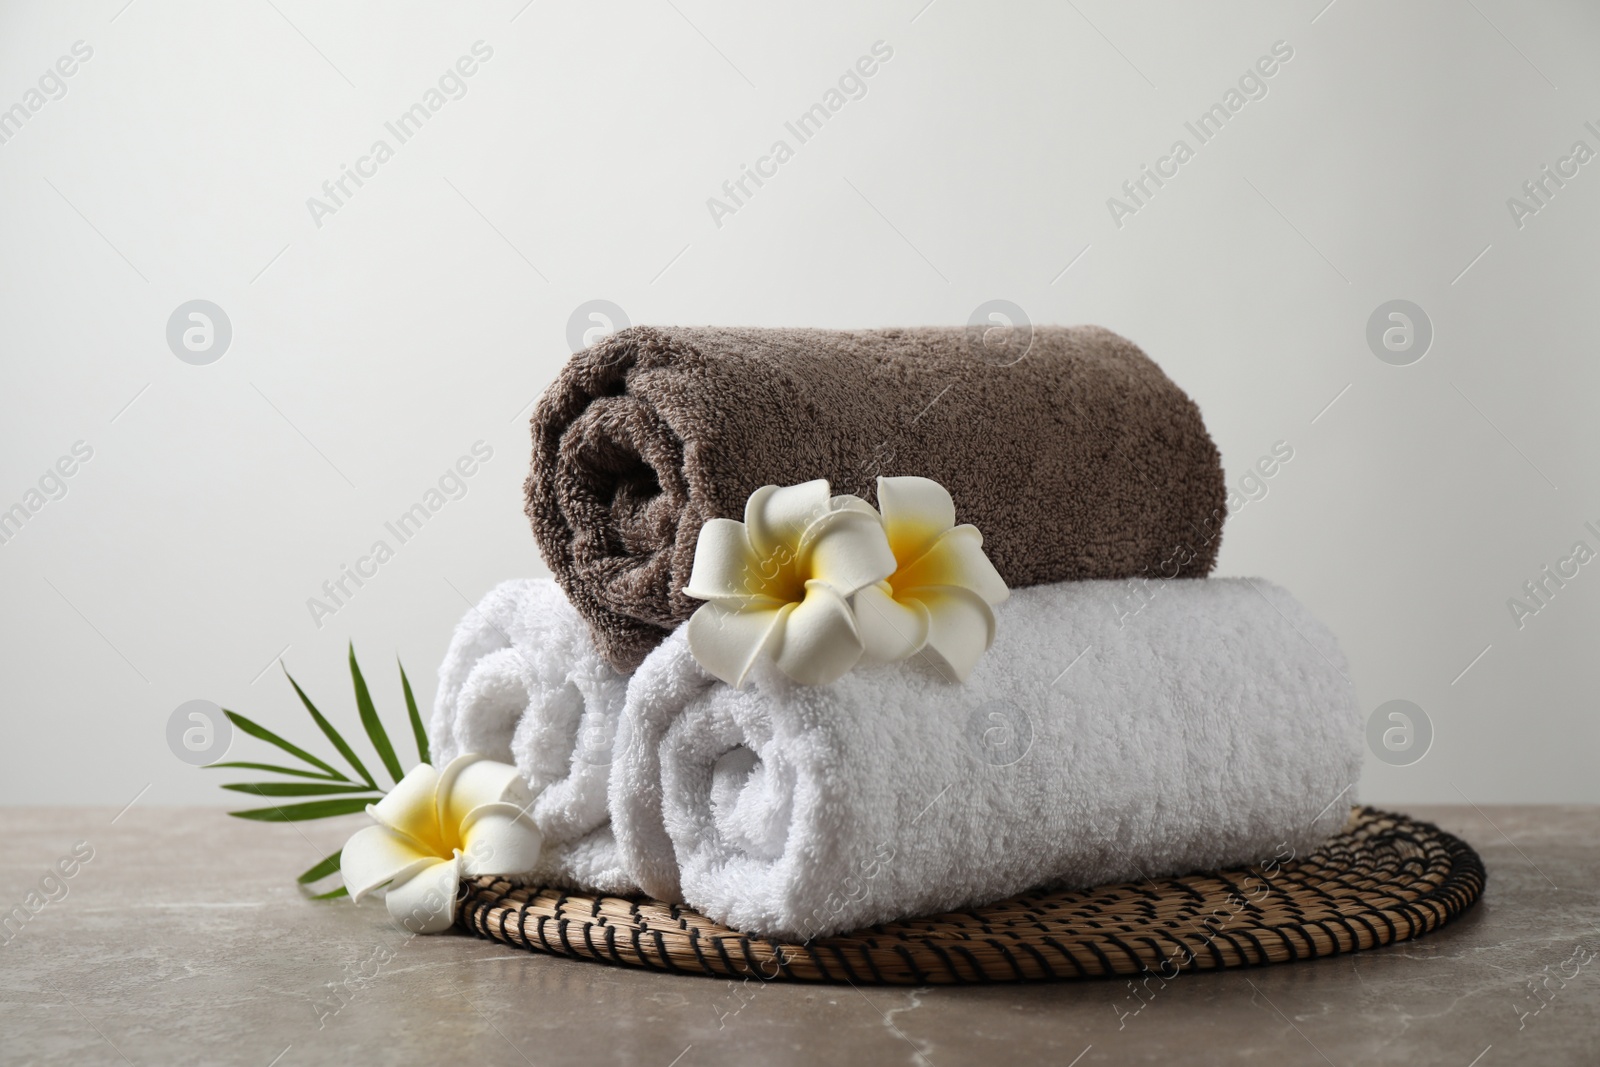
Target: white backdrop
{"points": [[380, 336]]}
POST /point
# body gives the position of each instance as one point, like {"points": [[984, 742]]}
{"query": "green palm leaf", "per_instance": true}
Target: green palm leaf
{"points": [[316, 809], [299, 789], [276, 770], [417, 729], [324, 867], [264, 734], [332, 735], [338, 793], [369, 719]]}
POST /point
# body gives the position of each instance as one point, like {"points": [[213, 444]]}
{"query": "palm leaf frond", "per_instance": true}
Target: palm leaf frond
{"points": [[300, 789], [417, 729], [261, 732], [324, 867], [316, 809], [338, 793], [369, 719], [331, 734], [275, 769]]}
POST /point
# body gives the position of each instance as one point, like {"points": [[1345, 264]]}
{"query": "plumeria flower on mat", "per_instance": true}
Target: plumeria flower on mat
{"points": [[942, 594], [436, 827], [822, 582]]}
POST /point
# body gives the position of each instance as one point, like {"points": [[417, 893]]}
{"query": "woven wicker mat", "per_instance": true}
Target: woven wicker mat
{"points": [[1384, 878]]}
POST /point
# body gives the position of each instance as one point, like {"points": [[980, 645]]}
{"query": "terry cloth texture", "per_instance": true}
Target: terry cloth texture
{"points": [[1079, 460], [522, 683], [1117, 730]]}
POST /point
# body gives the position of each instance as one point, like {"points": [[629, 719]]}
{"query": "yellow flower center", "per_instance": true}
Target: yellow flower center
{"points": [[434, 838], [778, 575]]}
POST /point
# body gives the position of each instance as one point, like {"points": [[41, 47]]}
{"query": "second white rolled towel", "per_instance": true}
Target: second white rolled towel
{"points": [[1115, 731], [522, 683]]}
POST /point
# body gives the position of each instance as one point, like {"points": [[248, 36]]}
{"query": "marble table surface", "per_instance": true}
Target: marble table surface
{"points": [[181, 938]]}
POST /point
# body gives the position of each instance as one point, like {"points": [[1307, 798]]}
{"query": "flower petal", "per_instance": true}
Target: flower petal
{"points": [[426, 902], [726, 641], [915, 511], [471, 781], [411, 808], [848, 550], [890, 630], [818, 642], [377, 855], [775, 517], [961, 625], [724, 563], [846, 502], [499, 839], [955, 558]]}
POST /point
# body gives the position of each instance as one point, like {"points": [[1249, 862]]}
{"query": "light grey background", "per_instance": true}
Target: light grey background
{"points": [[432, 308]]}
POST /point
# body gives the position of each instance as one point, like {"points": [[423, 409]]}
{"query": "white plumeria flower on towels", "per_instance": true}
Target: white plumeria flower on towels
{"points": [[780, 583], [434, 828], [943, 591]]}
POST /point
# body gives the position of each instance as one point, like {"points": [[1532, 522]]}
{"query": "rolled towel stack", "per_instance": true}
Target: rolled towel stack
{"points": [[1124, 724]]}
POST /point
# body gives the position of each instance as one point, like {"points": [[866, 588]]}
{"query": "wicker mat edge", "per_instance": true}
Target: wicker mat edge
{"points": [[1385, 878]]}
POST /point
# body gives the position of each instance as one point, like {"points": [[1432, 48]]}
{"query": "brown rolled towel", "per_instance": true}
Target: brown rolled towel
{"points": [[1079, 460]]}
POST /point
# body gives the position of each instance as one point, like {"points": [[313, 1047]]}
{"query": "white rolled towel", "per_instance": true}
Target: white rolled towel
{"points": [[522, 683], [1116, 730]]}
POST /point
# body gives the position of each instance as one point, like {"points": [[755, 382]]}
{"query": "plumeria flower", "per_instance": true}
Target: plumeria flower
{"points": [[434, 828], [943, 591], [779, 583]]}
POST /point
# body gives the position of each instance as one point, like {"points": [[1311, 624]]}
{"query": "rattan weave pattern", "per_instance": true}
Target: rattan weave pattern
{"points": [[1384, 878]]}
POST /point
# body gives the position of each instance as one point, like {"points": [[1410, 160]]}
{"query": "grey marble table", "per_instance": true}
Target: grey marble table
{"points": [[181, 938]]}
